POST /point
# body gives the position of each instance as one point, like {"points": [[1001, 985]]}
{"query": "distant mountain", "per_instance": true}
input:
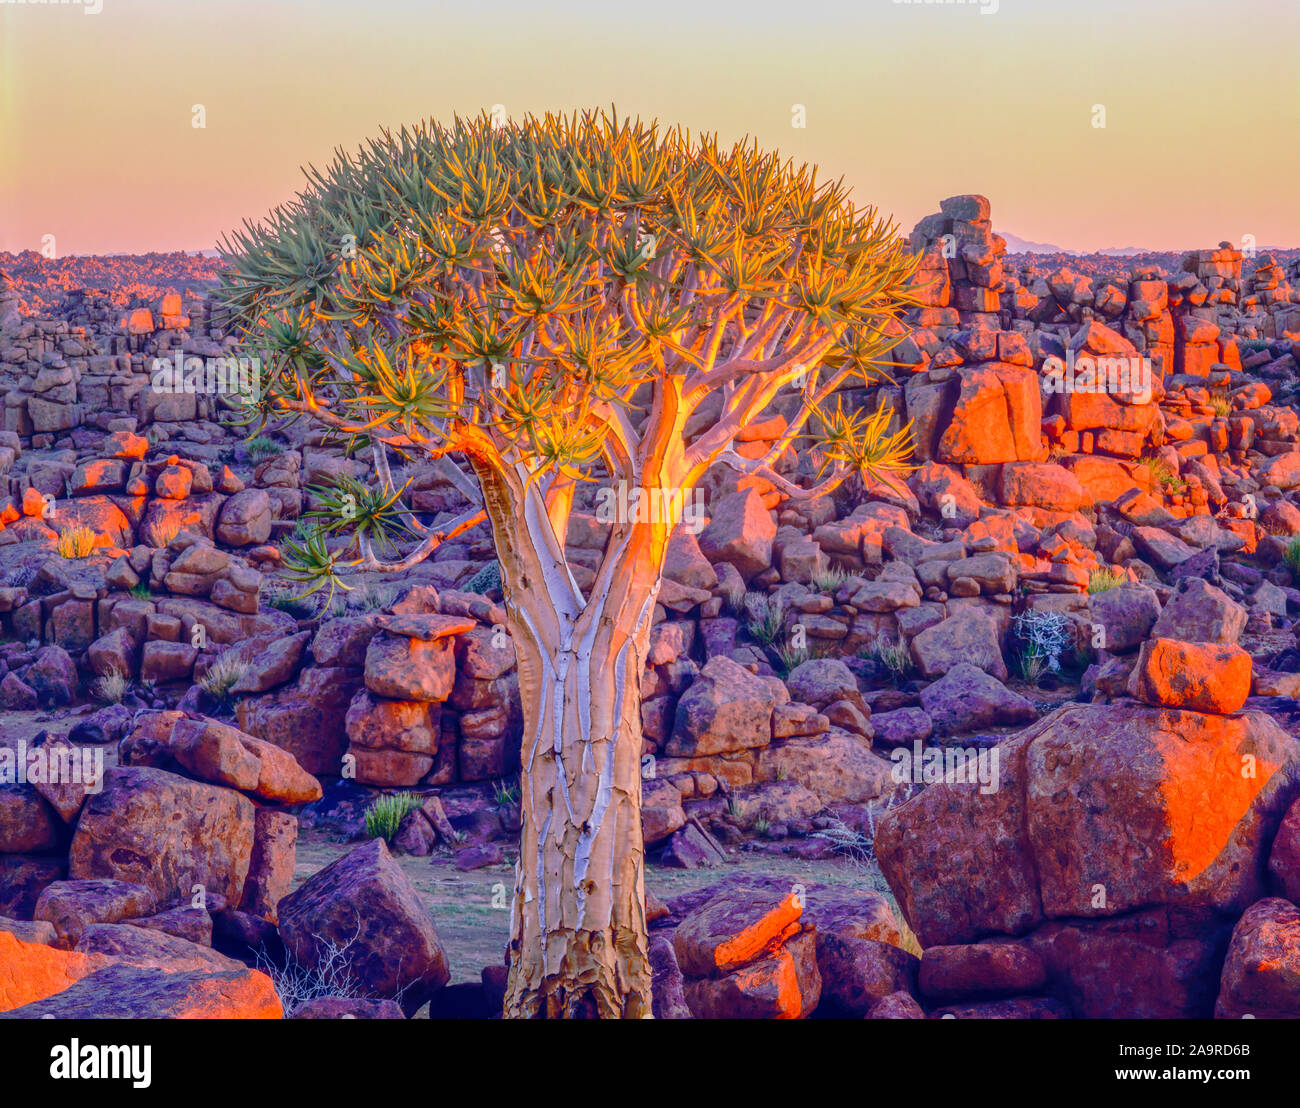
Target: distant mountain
{"points": [[1124, 251], [1017, 245]]}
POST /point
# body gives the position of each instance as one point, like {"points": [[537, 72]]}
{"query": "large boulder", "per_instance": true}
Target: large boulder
{"points": [[361, 908], [27, 822], [1201, 677], [783, 984], [73, 906], [224, 755], [306, 719], [245, 518], [143, 978], [996, 418], [837, 767], [1199, 612], [740, 533], [969, 635], [167, 833], [968, 699], [122, 991], [1284, 859], [824, 681], [742, 922], [980, 971], [1126, 614], [726, 708], [661, 810], [745, 954], [1261, 975], [404, 667], [1099, 810]]}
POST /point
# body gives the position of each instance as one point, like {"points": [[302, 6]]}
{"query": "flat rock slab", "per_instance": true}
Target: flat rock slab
{"points": [[130, 992], [428, 628]]}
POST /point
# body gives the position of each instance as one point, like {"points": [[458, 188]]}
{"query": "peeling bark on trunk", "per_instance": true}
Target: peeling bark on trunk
{"points": [[579, 946]]}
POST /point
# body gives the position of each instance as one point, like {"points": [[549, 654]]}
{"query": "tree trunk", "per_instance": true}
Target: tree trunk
{"points": [[579, 945]]}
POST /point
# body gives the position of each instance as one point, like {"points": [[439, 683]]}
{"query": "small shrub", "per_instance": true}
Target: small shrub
{"points": [[1162, 475], [486, 580], [76, 542], [222, 676], [111, 688], [298, 606], [894, 656], [262, 447], [765, 616], [790, 658], [332, 975], [733, 597], [384, 816], [1222, 407], [829, 578], [1291, 556], [505, 792], [858, 847], [165, 532], [1103, 579], [142, 591], [1045, 637]]}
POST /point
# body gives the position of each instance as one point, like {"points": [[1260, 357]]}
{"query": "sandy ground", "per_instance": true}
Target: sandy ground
{"points": [[470, 909]]}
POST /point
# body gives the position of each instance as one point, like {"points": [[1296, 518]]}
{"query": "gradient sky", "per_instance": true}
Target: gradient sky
{"points": [[910, 102]]}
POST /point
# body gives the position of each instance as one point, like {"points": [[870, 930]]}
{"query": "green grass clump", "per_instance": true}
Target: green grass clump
{"points": [[262, 447], [222, 676], [76, 542], [1162, 475], [1103, 579], [828, 578], [111, 688], [790, 658], [1291, 556], [385, 815], [505, 792], [894, 656], [765, 617]]}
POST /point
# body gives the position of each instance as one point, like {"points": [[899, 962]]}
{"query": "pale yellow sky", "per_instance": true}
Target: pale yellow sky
{"points": [[909, 102]]}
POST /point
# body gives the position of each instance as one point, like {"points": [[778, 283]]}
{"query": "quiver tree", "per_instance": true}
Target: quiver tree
{"points": [[546, 303]]}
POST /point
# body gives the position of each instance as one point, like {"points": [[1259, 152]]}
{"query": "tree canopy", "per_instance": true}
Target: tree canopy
{"points": [[562, 297]]}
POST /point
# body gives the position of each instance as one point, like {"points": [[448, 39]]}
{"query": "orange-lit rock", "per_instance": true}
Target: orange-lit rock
{"points": [[1201, 677], [734, 929], [1129, 806], [32, 971], [120, 991], [1261, 976], [785, 984]]}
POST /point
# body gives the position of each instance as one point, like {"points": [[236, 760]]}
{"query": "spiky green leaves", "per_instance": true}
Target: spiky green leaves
{"points": [[864, 443], [527, 279]]}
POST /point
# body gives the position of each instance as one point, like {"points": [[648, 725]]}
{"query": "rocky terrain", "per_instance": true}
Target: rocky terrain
{"points": [[1048, 687]]}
